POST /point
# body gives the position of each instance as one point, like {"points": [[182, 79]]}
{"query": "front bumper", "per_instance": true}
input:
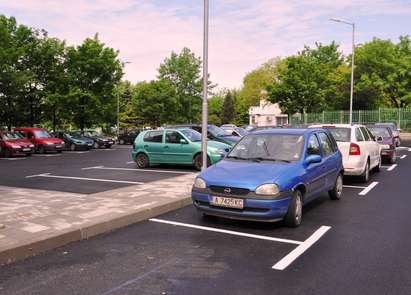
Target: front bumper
{"points": [[22, 151], [267, 210], [53, 147], [214, 158]]}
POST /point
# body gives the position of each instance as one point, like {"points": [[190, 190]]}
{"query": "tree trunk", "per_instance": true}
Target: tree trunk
{"points": [[54, 118]]}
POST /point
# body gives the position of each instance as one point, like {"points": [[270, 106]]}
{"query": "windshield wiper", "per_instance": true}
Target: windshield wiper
{"points": [[259, 159], [237, 158]]}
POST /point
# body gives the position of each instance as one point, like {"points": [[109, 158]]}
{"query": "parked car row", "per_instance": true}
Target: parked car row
{"points": [[29, 140]]}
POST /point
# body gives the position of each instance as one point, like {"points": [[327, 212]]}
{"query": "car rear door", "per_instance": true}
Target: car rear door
{"points": [[330, 158], [175, 151], [373, 150], [315, 172], [153, 145]]}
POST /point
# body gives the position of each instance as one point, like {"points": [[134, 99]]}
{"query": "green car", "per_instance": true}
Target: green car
{"points": [[172, 146]]}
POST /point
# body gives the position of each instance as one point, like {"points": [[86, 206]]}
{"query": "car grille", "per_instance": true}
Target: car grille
{"points": [[233, 190]]}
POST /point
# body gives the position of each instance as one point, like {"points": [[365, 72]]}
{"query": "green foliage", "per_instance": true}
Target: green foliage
{"points": [[215, 109], [228, 113]]}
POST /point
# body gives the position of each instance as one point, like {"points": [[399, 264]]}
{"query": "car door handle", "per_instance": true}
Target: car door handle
{"points": [[166, 147], [146, 146]]}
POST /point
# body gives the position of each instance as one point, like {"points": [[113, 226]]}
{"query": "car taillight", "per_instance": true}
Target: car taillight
{"points": [[355, 149]]}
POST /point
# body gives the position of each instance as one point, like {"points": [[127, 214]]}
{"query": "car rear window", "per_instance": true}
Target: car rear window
{"points": [[154, 136], [340, 133], [380, 131]]}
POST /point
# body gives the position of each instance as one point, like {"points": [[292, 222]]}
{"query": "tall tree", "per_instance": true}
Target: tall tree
{"points": [[215, 109], [228, 113]]}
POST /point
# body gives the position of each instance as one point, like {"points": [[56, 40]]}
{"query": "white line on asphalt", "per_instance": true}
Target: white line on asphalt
{"points": [[403, 157], [409, 149], [224, 231], [297, 252], [130, 162], [13, 159], [46, 155], [77, 152], [354, 186], [392, 167], [136, 170], [368, 188], [84, 178]]}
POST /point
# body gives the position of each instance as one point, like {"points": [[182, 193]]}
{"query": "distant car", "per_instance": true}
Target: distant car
{"points": [[99, 140], [128, 137], [270, 174], [259, 128], [395, 131], [175, 146], [72, 142], [213, 133], [12, 144], [43, 141], [361, 153], [386, 139], [232, 126], [235, 131]]}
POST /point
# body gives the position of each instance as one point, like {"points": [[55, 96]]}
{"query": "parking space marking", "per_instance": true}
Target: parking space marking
{"points": [[354, 186], [368, 188], [130, 162], [392, 167], [136, 170], [48, 175], [77, 152], [403, 157], [46, 155], [304, 246], [13, 159], [224, 231]]}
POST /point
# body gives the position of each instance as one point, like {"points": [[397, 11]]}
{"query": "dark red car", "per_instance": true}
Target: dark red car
{"points": [[42, 140], [12, 144], [387, 141]]}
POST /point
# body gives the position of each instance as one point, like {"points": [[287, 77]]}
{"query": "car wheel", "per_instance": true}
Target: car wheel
{"points": [[365, 176], [59, 151], [95, 145], [393, 158], [378, 167], [109, 146], [142, 161], [121, 141], [7, 153], [41, 150], [198, 162], [336, 192], [72, 147], [295, 210]]}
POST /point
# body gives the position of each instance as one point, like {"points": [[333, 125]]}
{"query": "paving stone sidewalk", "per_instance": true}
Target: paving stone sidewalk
{"points": [[33, 221]]}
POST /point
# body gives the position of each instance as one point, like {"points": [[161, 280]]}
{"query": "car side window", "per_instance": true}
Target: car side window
{"points": [[365, 133], [313, 147], [153, 136], [326, 144], [371, 136], [358, 135], [30, 135], [173, 137]]}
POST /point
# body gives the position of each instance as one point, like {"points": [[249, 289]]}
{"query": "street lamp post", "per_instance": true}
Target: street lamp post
{"points": [[118, 104], [352, 62], [204, 125]]}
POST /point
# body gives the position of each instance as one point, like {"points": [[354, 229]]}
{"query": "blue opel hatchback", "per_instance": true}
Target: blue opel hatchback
{"points": [[270, 174]]}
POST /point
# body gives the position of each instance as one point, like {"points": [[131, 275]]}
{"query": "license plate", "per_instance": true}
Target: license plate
{"points": [[227, 202], [26, 149], [58, 146], [111, 142]]}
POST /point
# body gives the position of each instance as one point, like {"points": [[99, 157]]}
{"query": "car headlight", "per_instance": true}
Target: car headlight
{"points": [[32, 145], [199, 183], [78, 142], [267, 189], [218, 151], [49, 143], [15, 146]]}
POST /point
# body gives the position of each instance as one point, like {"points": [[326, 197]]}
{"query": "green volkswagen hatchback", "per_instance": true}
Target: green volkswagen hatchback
{"points": [[172, 146]]}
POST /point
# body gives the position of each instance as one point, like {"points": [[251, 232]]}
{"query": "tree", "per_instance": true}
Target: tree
{"points": [[128, 116], [307, 81], [183, 71], [155, 102], [228, 109], [93, 71], [215, 108]]}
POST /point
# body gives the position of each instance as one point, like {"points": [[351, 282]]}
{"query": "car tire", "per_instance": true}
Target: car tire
{"points": [[96, 145], [295, 209], [198, 162], [142, 161], [41, 150], [378, 167], [365, 176], [72, 147], [7, 153], [336, 192], [109, 146], [393, 158]]}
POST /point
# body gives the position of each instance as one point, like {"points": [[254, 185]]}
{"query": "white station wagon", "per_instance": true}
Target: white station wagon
{"points": [[361, 153]]}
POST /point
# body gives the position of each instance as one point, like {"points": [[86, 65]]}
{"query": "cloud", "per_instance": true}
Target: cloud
{"points": [[243, 34]]}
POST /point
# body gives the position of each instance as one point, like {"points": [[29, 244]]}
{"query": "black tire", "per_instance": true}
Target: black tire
{"points": [[336, 192], [108, 146], [365, 176], [72, 147], [41, 150], [198, 162], [294, 215], [393, 158], [96, 145], [142, 161], [7, 153]]}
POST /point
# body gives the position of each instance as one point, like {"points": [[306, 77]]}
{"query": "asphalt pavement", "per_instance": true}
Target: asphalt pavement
{"points": [[359, 245]]}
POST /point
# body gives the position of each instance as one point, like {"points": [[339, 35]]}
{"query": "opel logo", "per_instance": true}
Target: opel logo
{"points": [[227, 190]]}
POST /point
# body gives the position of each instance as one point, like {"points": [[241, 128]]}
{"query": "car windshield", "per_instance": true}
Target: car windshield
{"points": [[389, 125], [379, 131], [91, 133], [340, 134], [191, 134], [240, 131], [11, 136], [269, 147], [42, 134], [216, 131]]}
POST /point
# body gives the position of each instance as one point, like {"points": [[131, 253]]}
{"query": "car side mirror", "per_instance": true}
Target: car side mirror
{"points": [[379, 138], [183, 141], [312, 159]]}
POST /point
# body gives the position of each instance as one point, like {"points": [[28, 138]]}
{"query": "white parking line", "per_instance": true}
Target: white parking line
{"points": [[368, 188], [392, 167], [403, 157], [224, 231], [48, 175], [13, 159], [297, 252], [354, 186], [46, 155], [136, 170], [130, 162]]}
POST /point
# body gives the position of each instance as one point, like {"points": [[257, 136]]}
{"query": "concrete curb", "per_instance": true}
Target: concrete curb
{"points": [[31, 248]]}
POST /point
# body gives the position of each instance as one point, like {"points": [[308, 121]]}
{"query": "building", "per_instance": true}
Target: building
{"points": [[267, 114]]}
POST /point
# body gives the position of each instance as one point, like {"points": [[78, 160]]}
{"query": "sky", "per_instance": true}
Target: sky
{"points": [[243, 33]]}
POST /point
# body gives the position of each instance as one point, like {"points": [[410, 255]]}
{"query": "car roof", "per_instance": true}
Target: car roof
{"points": [[288, 131], [28, 128], [336, 125]]}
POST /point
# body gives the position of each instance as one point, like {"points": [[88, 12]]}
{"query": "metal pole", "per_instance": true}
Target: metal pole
{"points": [[118, 113], [352, 72], [204, 126]]}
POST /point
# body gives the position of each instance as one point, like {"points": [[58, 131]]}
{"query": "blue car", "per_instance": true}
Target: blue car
{"points": [[270, 174]]}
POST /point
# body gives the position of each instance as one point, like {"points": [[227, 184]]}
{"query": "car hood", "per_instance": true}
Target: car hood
{"points": [[214, 145], [22, 142], [246, 174], [50, 140]]}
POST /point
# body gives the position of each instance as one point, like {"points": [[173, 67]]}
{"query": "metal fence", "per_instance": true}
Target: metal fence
{"points": [[402, 117]]}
